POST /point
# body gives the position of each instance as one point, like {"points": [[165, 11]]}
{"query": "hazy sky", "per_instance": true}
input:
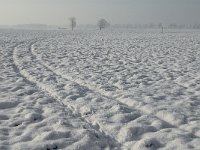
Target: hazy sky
{"points": [[57, 12]]}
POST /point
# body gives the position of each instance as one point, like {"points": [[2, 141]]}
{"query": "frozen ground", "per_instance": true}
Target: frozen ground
{"points": [[99, 90]]}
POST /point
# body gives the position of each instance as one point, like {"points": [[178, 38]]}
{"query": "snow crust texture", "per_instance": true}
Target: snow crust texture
{"points": [[99, 90]]}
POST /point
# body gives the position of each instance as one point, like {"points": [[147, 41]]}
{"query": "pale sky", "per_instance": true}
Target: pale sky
{"points": [[57, 12]]}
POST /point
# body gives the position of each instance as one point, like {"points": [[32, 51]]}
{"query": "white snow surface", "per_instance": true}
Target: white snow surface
{"points": [[95, 90]]}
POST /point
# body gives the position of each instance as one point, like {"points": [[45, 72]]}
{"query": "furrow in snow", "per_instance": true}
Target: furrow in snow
{"points": [[47, 122]]}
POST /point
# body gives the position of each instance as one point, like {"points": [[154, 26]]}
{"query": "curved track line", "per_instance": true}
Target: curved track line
{"points": [[113, 144]]}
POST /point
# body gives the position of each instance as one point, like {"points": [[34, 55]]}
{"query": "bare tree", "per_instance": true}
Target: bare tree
{"points": [[72, 22], [102, 23], [161, 27]]}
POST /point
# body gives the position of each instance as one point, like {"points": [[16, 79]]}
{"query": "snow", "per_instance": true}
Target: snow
{"points": [[99, 90]]}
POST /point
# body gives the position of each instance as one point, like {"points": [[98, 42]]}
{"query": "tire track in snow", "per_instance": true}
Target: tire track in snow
{"points": [[111, 143], [90, 114]]}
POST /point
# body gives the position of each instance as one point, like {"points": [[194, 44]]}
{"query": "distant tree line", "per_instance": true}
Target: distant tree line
{"points": [[156, 26], [103, 23]]}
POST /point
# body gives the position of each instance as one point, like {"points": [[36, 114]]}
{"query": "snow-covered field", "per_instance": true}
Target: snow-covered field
{"points": [[99, 90]]}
